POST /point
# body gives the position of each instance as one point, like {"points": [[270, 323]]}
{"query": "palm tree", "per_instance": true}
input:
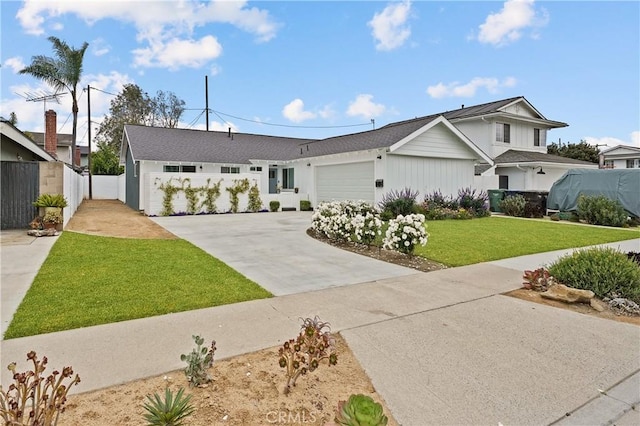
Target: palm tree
{"points": [[62, 72]]}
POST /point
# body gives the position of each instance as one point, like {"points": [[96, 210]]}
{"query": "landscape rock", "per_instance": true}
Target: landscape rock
{"points": [[597, 305], [568, 294], [42, 232]]}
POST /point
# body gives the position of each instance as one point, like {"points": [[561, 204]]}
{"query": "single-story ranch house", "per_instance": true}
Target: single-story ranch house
{"points": [[500, 144]]}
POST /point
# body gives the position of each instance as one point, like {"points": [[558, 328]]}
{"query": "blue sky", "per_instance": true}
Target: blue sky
{"points": [[315, 69]]}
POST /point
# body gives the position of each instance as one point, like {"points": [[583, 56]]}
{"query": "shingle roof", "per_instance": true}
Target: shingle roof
{"points": [[64, 139], [513, 156], [482, 109], [184, 145], [372, 139]]}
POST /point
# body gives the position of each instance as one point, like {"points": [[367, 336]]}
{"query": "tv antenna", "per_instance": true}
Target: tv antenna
{"points": [[42, 96]]}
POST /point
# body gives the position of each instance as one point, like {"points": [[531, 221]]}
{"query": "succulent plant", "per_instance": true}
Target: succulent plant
{"points": [[360, 410]]}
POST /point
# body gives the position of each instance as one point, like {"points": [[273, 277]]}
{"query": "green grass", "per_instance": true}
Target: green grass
{"points": [[464, 242], [88, 280]]}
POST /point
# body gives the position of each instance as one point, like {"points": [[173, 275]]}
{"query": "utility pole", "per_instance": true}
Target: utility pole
{"points": [[206, 99], [89, 136]]}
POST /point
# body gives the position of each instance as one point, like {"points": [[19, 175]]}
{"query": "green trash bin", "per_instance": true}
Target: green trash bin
{"points": [[495, 196]]}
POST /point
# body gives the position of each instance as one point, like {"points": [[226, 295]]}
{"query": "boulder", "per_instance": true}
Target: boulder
{"points": [[43, 232], [568, 294]]}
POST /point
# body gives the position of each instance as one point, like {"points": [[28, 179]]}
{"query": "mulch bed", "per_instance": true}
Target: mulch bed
{"points": [[418, 263]]}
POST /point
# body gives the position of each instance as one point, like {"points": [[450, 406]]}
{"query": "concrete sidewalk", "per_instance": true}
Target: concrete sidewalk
{"points": [[443, 347]]}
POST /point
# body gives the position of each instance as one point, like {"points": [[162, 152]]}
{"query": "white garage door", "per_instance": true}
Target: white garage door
{"points": [[353, 181]]}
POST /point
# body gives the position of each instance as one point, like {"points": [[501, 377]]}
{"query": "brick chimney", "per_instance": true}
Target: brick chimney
{"points": [[76, 162], [50, 132]]}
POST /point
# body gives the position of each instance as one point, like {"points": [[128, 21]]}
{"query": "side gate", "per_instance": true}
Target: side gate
{"points": [[19, 182]]}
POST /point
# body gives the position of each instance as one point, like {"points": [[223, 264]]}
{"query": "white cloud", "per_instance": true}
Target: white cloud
{"points": [[467, 90], [507, 25], [160, 25], [294, 111], [16, 64], [364, 106], [100, 47], [610, 142], [174, 54], [389, 27]]}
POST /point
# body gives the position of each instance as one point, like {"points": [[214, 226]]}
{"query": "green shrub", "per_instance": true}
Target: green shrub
{"points": [[51, 200], [513, 205], [170, 411], [395, 203], [305, 205], [601, 270], [600, 210], [274, 205], [198, 361]]}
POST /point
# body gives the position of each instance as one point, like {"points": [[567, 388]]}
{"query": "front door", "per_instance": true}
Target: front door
{"points": [[273, 181]]}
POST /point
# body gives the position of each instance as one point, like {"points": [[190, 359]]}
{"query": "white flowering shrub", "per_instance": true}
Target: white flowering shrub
{"points": [[346, 220], [366, 227], [405, 233]]}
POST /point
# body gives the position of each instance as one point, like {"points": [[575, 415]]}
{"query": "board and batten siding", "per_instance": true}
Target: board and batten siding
{"points": [[521, 109], [437, 142], [428, 174]]}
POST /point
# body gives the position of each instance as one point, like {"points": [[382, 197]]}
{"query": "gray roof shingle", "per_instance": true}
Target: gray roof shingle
{"points": [[184, 145], [513, 156]]}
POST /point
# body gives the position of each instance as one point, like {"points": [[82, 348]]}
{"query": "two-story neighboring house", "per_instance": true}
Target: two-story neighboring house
{"points": [[500, 144], [620, 157], [514, 134]]}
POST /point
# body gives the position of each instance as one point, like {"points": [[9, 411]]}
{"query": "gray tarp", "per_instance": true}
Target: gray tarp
{"points": [[617, 184]]}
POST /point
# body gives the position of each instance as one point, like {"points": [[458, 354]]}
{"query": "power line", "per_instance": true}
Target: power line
{"points": [[286, 125]]}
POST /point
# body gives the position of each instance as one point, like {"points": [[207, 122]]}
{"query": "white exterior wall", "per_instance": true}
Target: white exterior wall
{"points": [[428, 174], [153, 200], [437, 142], [103, 187], [122, 188], [481, 133]]}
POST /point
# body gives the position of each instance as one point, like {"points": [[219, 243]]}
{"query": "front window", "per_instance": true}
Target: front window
{"points": [[287, 179], [225, 169], [633, 164], [503, 132], [172, 168], [539, 137]]}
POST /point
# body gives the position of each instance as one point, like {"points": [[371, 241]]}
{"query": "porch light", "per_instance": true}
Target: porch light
{"points": [[541, 172]]}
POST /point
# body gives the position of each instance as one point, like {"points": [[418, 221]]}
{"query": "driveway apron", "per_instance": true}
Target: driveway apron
{"points": [[274, 250]]}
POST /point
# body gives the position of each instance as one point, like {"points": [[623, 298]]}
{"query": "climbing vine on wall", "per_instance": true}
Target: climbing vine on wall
{"points": [[255, 203], [211, 194], [191, 195], [170, 190], [240, 186]]}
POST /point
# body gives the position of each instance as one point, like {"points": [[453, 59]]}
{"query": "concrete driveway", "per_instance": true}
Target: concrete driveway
{"points": [[274, 250]]}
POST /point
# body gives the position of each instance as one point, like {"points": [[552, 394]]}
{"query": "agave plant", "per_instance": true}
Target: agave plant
{"points": [[169, 411], [360, 410]]}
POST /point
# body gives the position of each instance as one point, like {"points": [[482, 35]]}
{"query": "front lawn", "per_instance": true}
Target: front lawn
{"points": [[89, 280], [464, 242]]}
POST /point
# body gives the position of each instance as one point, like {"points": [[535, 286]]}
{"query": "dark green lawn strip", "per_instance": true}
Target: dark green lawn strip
{"points": [[90, 280], [464, 242]]}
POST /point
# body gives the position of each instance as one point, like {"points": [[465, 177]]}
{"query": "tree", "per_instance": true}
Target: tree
{"points": [[63, 72], [578, 151], [135, 106], [168, 109], [106, 160]]}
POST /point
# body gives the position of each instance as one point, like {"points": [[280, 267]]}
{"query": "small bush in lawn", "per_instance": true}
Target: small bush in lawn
{"points": [[303, 354], [198, 361], [601, 270], [513, 205], [255, 202], [405, 233], [33, 399], [396, 203], [600, 210], [170, 411], [274, 205]]}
